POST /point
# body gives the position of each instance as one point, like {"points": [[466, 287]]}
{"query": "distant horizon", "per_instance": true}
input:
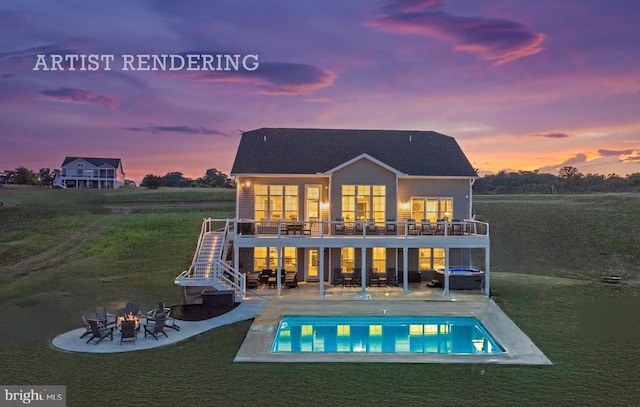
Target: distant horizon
{"points": [[169, 86]]}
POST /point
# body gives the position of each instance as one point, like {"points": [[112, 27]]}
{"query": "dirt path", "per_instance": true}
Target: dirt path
{"points": [[59, 252]]}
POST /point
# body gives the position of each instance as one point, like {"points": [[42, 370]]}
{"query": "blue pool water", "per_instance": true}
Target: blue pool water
{"points": [[383, 334]]}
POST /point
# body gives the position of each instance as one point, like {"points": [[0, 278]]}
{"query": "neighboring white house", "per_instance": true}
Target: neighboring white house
{"points": [[90, 172], [334, 205]]}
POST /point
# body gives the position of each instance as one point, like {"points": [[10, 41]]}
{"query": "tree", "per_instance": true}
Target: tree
{"points": [[45, 176], [151, 181], [214, 178], [25, 176], [175, 179]]}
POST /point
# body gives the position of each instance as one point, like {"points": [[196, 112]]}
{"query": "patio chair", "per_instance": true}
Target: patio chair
{"points": [[128, 332], [339, 227], [264, 276], [426, 227], [98, 332], [392, 277], [104, 318], [291, 279], [359, 228], [156, 328], [372, 228], [162, 312], [357, 276], [391, 228], [86, 326], [253, 280], [132, 308], [338, 278]]}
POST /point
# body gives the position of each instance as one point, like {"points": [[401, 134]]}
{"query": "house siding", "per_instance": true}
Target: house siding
{"points": [[246, 197], [363, 172], [458, 189]]}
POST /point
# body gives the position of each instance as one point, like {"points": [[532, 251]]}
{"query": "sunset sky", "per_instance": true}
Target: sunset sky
{"points": [[521, 85]]}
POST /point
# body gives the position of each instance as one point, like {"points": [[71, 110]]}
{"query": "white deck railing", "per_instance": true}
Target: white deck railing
{"points": [[362, 229], [217, 270]]}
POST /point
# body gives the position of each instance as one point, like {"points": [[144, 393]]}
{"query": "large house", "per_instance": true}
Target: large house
{"points": [[348, 207], [88, 172]]}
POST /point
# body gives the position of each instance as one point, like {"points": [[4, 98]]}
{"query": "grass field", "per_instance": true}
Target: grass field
{"points": [[63, 252]]}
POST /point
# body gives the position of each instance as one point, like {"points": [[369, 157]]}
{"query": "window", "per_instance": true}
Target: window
{"points": [[276, 202], [363, 202], [267, 258], [432, 209], [431, 258], [379, 259], [347, 259]]}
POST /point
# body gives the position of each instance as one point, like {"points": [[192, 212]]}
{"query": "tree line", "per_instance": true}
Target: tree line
{"points": [[45, 176], [212, 178], [568, 180]]}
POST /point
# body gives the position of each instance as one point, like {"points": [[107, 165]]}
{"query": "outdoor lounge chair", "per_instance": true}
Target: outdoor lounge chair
{"points": [[291, 279], [132, 308], [162, 312], [86, 326], [104, 318], [128, 332], [156, 328], [391, 228], [98, 332], [338, 278], [253, 280], [339, 227]]}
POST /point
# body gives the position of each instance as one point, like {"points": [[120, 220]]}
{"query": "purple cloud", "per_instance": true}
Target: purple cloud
{"points": [[272, 78], [606, 153], [81, 96], [556, 134], [410, 5], [180, 129], [495, 40]]}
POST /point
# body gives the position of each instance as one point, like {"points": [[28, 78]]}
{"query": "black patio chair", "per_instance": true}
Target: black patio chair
{"points": [[104, 318], [291, 279], [253, 280], [391, 228], [86, 326], [156, 328], [132, 308], [128, 332], [98, 332], [162, 312], [338, 278]]}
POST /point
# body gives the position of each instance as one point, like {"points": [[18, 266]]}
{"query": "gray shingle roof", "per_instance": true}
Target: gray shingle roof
{"points": [[98, 162], [311, 151]]}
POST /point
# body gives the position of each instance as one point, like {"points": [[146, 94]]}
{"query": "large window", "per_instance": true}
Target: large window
{"points": [[379, 259], [431, 209], [276, 202], [267, 258], [347, 259], [431, 258], [363, 202]]}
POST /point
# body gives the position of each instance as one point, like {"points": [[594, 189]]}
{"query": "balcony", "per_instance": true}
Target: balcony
{"points": [[471, 231]]}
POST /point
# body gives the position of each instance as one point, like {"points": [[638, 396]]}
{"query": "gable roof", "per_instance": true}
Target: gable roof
{"points": [[312, 151], [98, 162]]}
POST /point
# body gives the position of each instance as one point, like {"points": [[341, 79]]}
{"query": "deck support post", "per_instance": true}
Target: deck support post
{"points": [[279, 271], [487, 283], [446, 271], [405, 271], [363, 273], [321, 267]]}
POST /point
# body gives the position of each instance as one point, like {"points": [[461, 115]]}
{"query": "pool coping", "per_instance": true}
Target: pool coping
{"points": [[519, 349]]}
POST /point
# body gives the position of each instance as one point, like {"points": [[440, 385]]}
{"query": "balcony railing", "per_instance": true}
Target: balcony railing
{"points": [[361, 229]]}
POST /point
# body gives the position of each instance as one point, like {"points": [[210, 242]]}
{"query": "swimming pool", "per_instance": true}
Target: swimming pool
{"points": [[458, 335]]}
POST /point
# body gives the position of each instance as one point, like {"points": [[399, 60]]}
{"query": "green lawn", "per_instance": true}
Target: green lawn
{"points": [[94, 255]]}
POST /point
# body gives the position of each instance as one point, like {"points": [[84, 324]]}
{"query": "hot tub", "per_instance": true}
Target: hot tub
{"points": [[461, 278]]}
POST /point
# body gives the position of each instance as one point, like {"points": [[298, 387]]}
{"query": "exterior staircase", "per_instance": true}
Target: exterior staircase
{"points": [[58, 182], [209, 267]]}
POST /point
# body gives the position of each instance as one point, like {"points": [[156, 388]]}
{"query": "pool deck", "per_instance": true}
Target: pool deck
{"points": [[267, 309], [519, 349]]}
